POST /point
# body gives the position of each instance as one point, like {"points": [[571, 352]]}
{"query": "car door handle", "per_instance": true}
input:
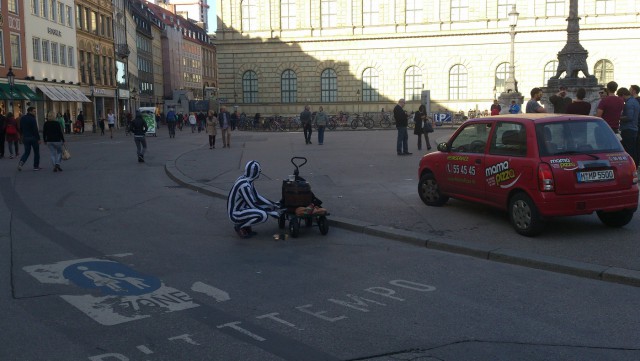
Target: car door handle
{"points": [[478, 161]]}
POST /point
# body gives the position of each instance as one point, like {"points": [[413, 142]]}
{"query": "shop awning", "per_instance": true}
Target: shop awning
{"points": [[27, 92], [7, 94], [62, 94], [50, 94], [78, 94]]}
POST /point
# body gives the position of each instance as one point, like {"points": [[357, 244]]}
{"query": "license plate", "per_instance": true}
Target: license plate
{"points": [[595, 176]]}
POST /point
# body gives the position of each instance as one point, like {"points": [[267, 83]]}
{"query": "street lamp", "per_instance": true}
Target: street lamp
{"points": [[511, 84], [11, 77]]}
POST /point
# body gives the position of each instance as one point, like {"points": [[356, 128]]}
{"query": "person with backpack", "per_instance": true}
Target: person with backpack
{"points": [[139, 129], [171, 123]]}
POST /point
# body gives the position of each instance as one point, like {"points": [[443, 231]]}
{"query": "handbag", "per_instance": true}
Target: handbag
{"points": [[66, 155], [427, 127]]}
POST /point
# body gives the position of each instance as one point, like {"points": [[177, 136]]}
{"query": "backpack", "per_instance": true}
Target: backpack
{"points": [[11, 129]]}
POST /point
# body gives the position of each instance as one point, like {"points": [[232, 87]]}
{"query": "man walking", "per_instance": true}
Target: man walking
{"points": [[30, 138], [402, 121], [139, 130], [305, 119], [111, 121], [171, 122], [225, 126]]}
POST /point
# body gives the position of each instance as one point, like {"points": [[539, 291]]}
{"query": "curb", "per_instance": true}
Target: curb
{"points": [[503, 255]]}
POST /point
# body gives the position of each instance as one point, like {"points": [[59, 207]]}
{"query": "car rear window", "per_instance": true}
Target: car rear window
{"points": [[575, 137]]}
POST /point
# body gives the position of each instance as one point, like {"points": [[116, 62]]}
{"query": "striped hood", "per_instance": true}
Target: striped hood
{"points": [[252, 170]]}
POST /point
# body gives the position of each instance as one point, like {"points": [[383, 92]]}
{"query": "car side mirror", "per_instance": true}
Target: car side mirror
{"points": [[443, 147]]}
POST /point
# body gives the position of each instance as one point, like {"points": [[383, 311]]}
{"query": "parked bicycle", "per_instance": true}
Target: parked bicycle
{"points": [[357, 120], [338, 120]]}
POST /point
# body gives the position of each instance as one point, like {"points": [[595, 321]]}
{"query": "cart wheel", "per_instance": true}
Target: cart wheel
{"points": [[281, 221], [308, 221], [323, 225], [294, 227]]}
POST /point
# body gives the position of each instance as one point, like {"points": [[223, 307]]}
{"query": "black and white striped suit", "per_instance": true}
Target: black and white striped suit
{"points": [[244, 205]]}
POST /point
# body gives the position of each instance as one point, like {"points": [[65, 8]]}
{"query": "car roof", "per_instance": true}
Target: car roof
{"points": [[536, 117]]}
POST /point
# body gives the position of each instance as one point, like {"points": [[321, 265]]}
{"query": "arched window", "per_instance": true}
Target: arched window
{"points": [[549, 70], [457, 82], [328, 86], [250, 87], [412, 83], [289, 86], [249, 15], [603, 71], [370, 85], [288, 14], [502, 74]]}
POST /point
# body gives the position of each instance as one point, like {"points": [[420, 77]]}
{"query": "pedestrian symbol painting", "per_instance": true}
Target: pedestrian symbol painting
{"points": [[115, 293], [111, 278]]}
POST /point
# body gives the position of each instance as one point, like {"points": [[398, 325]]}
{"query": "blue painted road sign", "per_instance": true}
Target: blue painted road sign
{"points": [[111, 278]]}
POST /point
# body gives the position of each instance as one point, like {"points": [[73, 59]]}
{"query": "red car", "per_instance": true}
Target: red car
{"points": [[535, 166]]}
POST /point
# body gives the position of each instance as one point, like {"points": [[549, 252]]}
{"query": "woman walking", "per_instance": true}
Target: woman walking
{"points": [[12, 136], [422, 126], [212, 124], [53, 137]]}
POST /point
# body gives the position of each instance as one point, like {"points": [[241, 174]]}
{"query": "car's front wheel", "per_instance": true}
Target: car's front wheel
{"points": [[524, 215], [616, 219], [429, 191]]}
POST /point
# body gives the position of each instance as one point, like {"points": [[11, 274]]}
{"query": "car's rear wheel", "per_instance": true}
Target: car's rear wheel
{"points": [[429, 191], [524, 215], [616, 219]]}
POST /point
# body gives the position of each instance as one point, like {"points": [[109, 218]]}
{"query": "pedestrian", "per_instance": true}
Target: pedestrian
{"points": [[495, 108], [629, 123], [80, 120], [67, 122], [171, 122], [192, 122], [111, 122], [305, 120], [3, 126], [212, 124], [53, 137], [635, 91], [245, 207], [224, 118], [514, 108], [202, 121], [422, 126], [60, 120], [610, 107], [235, 118], [139, 130], [321, 121], [402, 120], [579, 106], [30, 138], [560, 101], [101, 123], [533, 105], [12, 135]]}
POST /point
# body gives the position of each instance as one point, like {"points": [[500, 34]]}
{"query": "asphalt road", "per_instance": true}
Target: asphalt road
{"points": [[112, 260]]}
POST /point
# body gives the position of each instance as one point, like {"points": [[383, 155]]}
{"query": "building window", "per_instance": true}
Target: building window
{"points": [[289, 86], [71, 57], [370, 12], [16, 51], [54, 53], [69, 16], [35, 7], [549, 70], [36, 49], [457, 82], [504, 8], [555, 7], [83, 77], [370, 85], [502, 74], [45, 9], [2, 61], [329, 13], [63, 55], [96, 67], [79, 20], [250, 87], [94, 22], [12, 6], [412, 83], [61, 13], [459, 10], [45, 51], [87, 23], [249, 15], [605, 7], [603, 71], [328, 86], [288, 14], [54, 11], [414, 11]]}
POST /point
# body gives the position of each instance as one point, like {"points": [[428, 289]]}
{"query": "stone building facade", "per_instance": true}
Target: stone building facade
{"points": [[274, 56]]}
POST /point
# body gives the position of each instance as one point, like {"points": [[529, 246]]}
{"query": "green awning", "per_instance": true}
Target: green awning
{"points": [[6, 94], [27, 92]]}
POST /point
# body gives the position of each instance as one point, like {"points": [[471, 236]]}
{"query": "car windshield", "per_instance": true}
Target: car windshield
{"points": [[576, 137]]}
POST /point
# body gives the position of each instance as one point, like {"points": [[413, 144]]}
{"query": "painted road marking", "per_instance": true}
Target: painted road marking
{"points": [[218, 294], [128, 295]]}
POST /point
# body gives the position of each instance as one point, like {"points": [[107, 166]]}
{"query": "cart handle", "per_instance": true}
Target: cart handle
{"points": [[296, 172]]}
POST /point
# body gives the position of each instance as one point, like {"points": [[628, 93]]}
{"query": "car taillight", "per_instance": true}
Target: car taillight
{"points": [[545, 178]]}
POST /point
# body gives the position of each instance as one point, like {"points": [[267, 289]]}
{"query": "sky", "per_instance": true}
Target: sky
{"points": [[212, 20]]}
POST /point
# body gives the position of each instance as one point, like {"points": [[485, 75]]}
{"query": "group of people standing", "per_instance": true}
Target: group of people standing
{"points": [[307, 119], [422, 127], [619, 107]]}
